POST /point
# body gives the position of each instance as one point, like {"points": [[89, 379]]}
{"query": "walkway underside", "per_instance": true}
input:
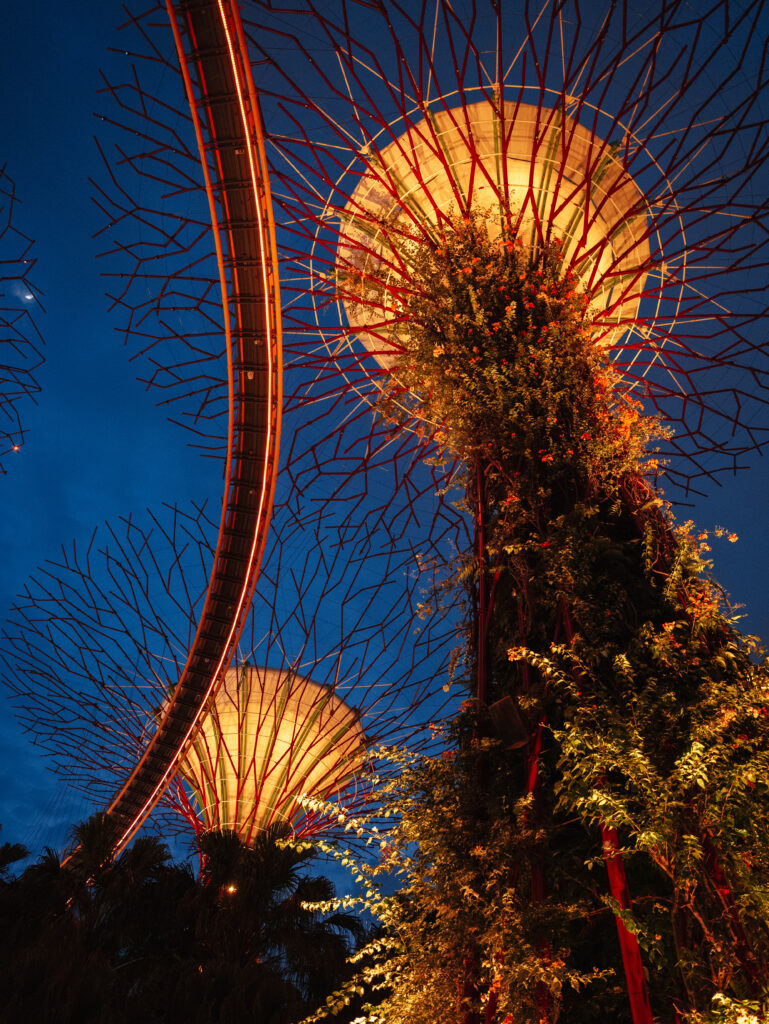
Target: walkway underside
{"points": [[224, 107]]}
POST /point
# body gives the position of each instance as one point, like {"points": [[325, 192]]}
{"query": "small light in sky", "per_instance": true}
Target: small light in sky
{"points": [[21, 290]]}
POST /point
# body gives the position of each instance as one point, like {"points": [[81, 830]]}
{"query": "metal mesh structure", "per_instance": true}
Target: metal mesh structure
{"points": [[648, 122], [20, 341], [98, 639]]}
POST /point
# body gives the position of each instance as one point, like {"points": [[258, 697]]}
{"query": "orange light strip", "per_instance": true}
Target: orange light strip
{"points": [[219, 255], [266, 480]]}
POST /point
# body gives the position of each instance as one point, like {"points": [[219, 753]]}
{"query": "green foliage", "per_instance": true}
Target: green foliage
{"points": [[667, 743], [497, 353], [461, 928], [664, 736], [643, 709], [727, 1011]]}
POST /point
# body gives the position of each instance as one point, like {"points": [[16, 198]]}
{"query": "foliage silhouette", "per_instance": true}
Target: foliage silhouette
{"points": [[140, 938]]}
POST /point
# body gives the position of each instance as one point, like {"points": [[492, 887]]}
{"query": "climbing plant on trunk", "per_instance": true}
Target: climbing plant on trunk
{"points": [[595, 846]]}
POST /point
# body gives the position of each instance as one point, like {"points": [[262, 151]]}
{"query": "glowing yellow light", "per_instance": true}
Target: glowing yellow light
{"points": [[268, 738], [566, 182]]}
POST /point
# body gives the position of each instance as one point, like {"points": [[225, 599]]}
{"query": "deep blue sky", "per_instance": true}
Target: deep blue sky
{"points": [[96, 448]]}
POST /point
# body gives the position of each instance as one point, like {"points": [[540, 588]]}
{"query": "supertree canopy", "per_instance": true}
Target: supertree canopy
{"points": [[581, 195], [634, 137], [96, 643], [268, 739]]}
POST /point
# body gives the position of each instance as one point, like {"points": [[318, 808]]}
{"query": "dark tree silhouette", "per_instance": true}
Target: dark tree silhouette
{"points": [[137, 937], [10, 853]]}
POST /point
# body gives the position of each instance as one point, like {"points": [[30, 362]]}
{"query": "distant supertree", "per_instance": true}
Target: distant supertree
{"points": [[270, 740], [20, 341], [95, 646]]}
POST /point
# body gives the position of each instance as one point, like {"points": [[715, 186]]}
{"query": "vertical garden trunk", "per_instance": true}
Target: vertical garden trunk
{"points": [[590, 621]]}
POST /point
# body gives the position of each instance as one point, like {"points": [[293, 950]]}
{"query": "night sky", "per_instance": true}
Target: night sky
{"points": [[96, 448]]}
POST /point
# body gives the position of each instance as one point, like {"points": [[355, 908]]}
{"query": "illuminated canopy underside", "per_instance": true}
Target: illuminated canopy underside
{"points": [[268, 738], [562, 180]]}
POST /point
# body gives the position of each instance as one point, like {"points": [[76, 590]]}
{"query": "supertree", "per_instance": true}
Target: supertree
{"points": [[104, 633], [510, 232], [516, 225], [20, 340]]}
